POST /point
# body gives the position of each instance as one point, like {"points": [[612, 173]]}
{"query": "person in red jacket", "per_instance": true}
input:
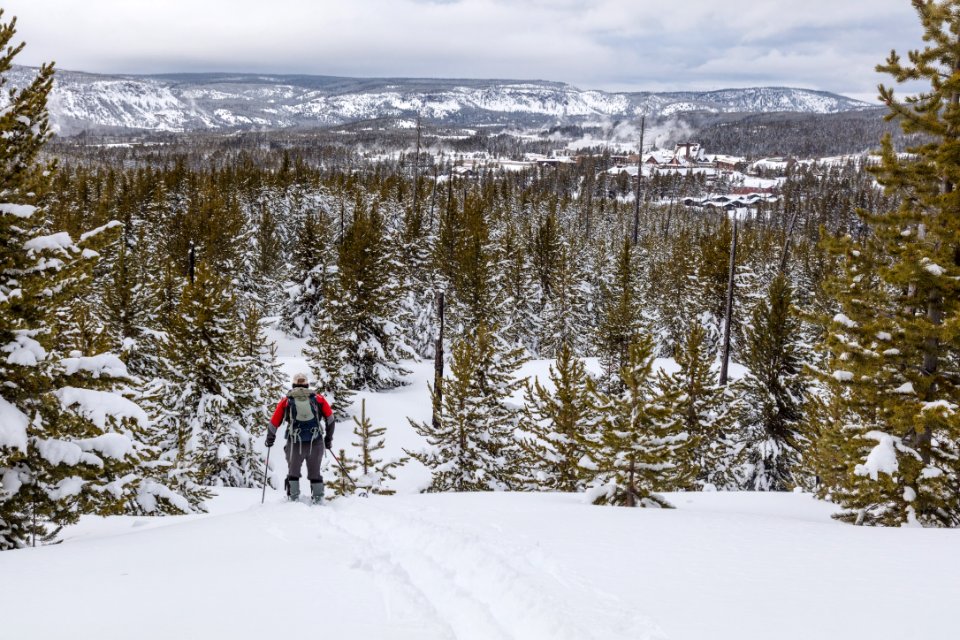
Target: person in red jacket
{"points": [[309, 421]]}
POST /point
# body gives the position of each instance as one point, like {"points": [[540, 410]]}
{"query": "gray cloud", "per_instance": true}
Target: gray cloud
{"points": [[605, 44]]}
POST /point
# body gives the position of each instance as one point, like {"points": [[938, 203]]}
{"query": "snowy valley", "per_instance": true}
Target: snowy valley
{"points": [[560, 363]]}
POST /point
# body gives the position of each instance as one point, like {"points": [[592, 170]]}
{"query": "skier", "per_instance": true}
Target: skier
{"points": [[303, 410]]}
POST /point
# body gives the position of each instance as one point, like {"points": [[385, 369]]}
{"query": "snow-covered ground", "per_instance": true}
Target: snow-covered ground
{"points": [[722, 566]]}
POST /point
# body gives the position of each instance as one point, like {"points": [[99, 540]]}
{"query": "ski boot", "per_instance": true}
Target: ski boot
{"points": [[316, 491], [292, 485]]}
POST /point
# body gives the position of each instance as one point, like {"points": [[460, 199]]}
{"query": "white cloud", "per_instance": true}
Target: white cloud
{"points": [[645, 44]]}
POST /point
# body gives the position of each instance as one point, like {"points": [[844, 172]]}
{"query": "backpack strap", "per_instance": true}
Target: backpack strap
{"points": [[316, 415], [293, 433], [291, 412]]}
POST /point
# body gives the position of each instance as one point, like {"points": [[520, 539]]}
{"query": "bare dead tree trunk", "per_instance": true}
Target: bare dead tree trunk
{"points": [[416, 169], [438, 365], [636, 203], [728, 320], [433, 196], [786, 243], [666, 227]]}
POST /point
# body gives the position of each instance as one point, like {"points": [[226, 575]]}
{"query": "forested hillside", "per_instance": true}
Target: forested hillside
{"points": [[139, 283]]}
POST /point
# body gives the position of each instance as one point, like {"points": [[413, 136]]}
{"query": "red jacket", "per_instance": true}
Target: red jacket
{"points": [[281, 412]]}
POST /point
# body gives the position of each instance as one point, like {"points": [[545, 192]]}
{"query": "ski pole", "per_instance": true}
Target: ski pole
{"points": [[346, 475], [265, 467]]}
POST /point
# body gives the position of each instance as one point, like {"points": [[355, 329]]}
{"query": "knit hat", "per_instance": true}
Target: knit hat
{"points": [[300, 378]]}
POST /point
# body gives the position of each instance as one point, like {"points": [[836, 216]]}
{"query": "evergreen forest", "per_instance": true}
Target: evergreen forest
{"points": [[138, 283]]}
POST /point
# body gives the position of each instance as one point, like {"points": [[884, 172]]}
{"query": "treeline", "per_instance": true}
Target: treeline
{"points": [[799, 135], [531, 264], [138, 289]]}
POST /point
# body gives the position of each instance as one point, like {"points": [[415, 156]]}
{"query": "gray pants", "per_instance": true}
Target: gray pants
{"points": [[299, 452]]}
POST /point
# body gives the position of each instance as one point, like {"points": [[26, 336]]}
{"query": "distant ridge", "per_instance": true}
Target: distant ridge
{"points": [[223, 101]]}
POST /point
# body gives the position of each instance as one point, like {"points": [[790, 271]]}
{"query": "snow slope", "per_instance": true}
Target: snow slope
{"points": [[723, 566]]}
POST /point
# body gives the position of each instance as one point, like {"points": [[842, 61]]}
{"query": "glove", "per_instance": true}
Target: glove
{"points": [[328, 443], [271, 438]]}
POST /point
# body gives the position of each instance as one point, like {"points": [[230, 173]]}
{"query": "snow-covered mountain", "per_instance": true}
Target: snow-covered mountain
{"points": [[184, 102]]}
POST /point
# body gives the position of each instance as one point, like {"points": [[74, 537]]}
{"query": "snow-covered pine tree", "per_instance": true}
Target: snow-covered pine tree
{"points": [[374, 472], [771, 394], [891, 408], [620, 321], [355, 343], [713, 270], [521, 291], [262, 381], [559, 426], [203, 391], [563, 317], [126, 308], [328, 352], [265, 262], [858, 395], [676, 293], [473, 448], [69, 442], [643, 451], [701, 408], [312, 259], [419, 286]]}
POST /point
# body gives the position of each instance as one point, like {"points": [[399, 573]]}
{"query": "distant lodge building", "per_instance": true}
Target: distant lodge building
{"points": [[685, 156], [733, 201]]}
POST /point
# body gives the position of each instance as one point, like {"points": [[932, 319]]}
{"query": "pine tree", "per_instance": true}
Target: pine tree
{"points": [[473, 448], [771, 394], [678, 295], [419, 287], [328, 352], [266, 262], [887, 431], [620, 321], [375, 472], [70, 443], [203, 399], [563, 317], [311, 268], [642, 450], [261, 379], [355, 344], [713, 268], [560, 428], [700, 408], [343, 472], [521, 293]]}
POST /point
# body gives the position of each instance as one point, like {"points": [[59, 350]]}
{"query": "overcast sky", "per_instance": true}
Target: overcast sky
{"points": [[593, 44]]}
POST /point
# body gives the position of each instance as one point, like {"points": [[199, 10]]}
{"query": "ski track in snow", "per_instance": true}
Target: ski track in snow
{"points": [[723, 566], [483, 592]]}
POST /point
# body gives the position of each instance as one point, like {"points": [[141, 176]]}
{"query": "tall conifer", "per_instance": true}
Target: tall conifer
{"points": [[772, 393], [890, 431], [560, 428], [642, 450]]}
